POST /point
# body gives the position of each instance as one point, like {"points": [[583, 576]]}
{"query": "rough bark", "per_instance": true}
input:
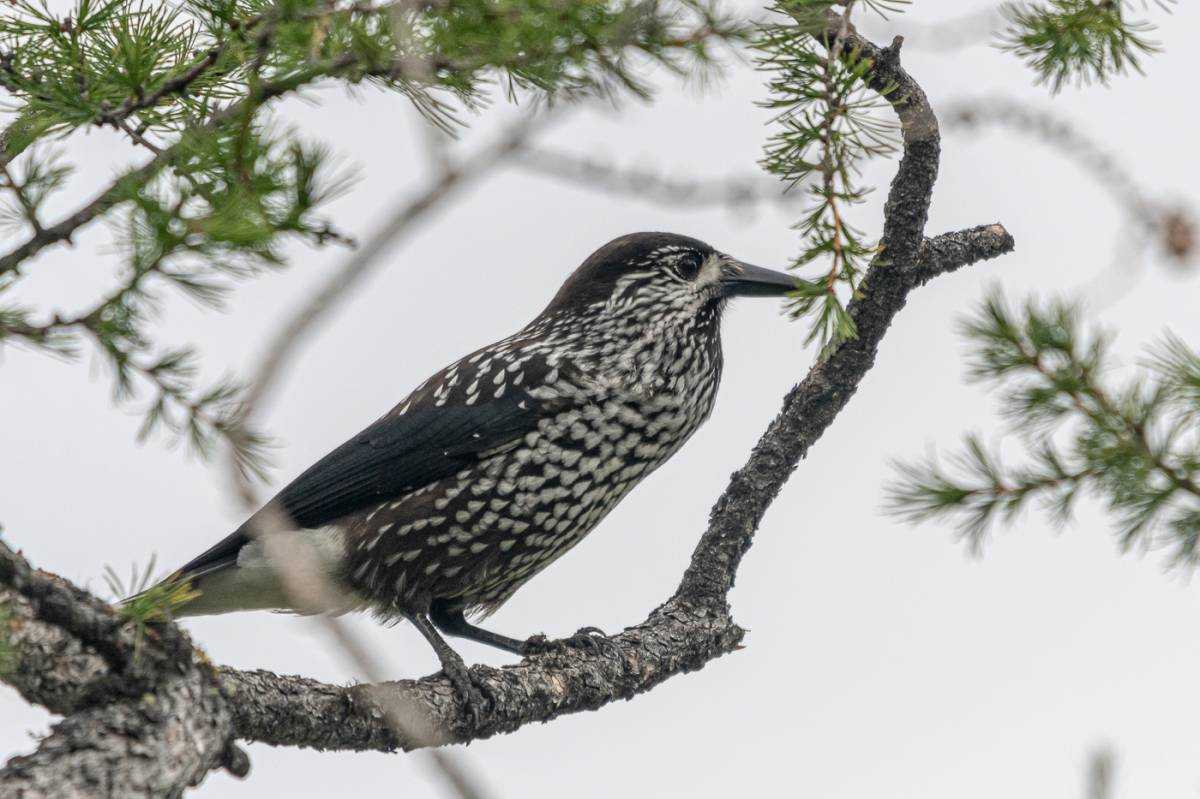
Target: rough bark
{"points": [[144, 715], [155, 745], [181, 714]]}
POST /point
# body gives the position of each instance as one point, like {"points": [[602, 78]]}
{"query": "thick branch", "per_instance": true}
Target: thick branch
{"points": [[677, 637], [157, 745], [681, 635], [145, 717], [136, 666], [952, 251], [694, 625], [811, 406]]}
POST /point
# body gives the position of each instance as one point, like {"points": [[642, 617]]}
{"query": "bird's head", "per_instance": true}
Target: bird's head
{"points": [[663, 277]]}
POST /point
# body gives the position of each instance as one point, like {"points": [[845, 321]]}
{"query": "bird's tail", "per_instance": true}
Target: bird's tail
{"points": [[216, 588], [238, 578]]}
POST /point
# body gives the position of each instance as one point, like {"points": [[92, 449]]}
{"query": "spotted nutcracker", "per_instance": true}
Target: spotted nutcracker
{"points": [[504, 460]]}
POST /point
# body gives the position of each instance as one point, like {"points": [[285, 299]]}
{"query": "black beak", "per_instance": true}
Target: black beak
{"points": [[743, 280]]}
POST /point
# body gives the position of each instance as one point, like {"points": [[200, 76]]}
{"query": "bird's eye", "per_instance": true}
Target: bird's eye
{"points": [[688, 267]]}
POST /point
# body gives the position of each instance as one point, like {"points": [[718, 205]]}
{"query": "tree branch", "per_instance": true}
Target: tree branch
{"points": [[146, 718], [744, 191], [304, 320], [694, 625], [119, 190]]}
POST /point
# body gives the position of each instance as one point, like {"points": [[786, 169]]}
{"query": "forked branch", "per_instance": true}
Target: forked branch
{"points": [[54, 664]]}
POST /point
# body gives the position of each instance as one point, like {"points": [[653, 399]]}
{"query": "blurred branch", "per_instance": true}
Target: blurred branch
{"points": [[226, 186], [1052, 130], [1170, 227], [694, 625], [1101, 767], [403, 219], [735, 193]]}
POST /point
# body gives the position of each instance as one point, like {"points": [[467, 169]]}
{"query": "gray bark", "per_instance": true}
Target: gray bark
{"points": [[155, 726]]}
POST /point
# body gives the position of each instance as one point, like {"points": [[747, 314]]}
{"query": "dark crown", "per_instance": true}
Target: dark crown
{"points": [[596, 277]]}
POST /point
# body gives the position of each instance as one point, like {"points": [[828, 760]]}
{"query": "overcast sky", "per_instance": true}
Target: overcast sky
{"points": [[881, 659]]}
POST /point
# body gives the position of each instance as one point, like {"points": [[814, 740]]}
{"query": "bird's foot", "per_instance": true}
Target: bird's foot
{"points": [[592, 639], [472, 699]]}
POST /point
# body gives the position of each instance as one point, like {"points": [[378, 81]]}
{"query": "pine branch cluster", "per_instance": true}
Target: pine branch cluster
{"points": [[1079, 41], [1135, 447], [826, 126], [228, 187]]}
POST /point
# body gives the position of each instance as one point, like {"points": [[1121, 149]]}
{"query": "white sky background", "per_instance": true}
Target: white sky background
{"points": [[881, 660]]}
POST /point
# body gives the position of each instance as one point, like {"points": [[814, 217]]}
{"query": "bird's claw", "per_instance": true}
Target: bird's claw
{"points": [[468, 693], [592, 639]]}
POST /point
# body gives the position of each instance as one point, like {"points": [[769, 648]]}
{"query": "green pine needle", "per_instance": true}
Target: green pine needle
{"points": [[1134, 447], [827, 125], [1077, 41]]}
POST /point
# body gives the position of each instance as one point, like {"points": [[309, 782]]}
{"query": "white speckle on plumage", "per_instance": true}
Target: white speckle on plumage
{"points": [[482, 486], [611, 389]]}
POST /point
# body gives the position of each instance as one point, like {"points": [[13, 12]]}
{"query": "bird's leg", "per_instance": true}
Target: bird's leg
{"points": [[452, 622], [452, 666]]}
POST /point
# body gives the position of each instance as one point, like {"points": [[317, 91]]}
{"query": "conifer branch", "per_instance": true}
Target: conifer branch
{"points": [[694, 625], [1078, 41], [1137, 449]]}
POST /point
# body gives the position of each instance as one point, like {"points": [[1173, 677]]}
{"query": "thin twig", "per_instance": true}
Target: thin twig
{"points": [[117, 191]]}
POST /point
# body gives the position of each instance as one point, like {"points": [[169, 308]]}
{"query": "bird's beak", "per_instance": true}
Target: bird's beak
{"points": [[743, 280]]}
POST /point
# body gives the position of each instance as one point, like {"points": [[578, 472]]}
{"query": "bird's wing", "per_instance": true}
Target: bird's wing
{"points": [[397, 454]]}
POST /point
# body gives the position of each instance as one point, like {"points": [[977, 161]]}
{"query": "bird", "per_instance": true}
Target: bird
{"points": [[501, 462]]}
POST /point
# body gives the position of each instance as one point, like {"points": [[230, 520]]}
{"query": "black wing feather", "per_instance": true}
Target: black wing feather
{"points": [[394, 455]]}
